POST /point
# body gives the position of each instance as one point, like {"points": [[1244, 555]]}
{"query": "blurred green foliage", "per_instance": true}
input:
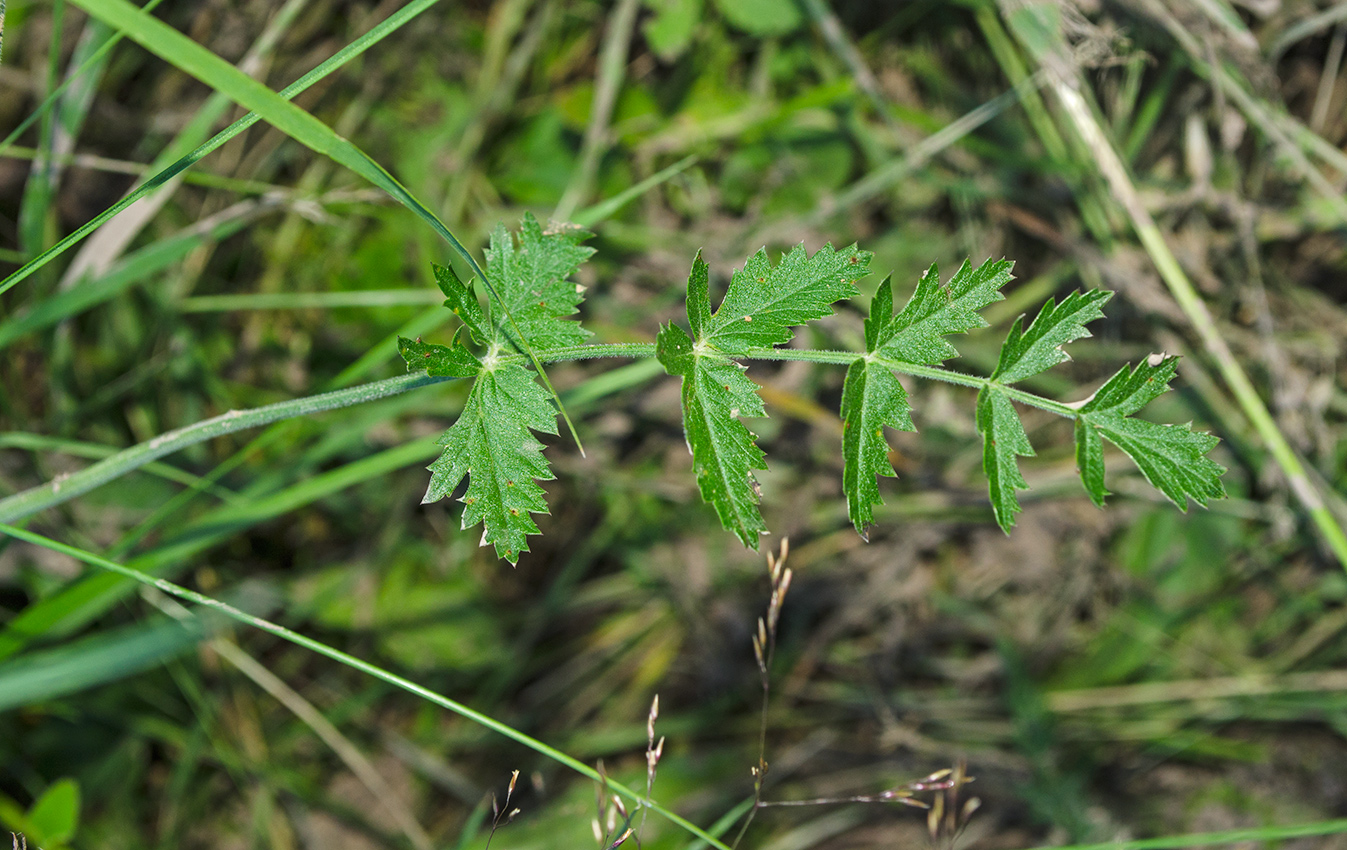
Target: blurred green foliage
{"points": [[1129, 673]]}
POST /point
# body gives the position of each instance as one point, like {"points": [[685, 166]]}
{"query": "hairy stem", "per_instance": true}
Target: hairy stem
{"points": [[64, 488], [840, 358]]}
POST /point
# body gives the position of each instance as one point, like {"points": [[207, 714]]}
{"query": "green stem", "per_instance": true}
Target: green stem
{"points": [[62, 489], [363, 666], [838, 358]]}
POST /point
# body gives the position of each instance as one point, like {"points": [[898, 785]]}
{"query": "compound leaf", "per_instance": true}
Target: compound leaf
{"points": [[1003, 439], [872, 398], [491, 444], [716, 392], [1028, 352], [763, 302], [1172, 457], [531, 279], [917, 334]]}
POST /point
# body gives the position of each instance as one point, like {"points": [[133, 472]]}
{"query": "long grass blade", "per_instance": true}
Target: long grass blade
{"points": [[74, 606], [183, 53], [89, 63], [351, 661], [1230, 836], [337, 60], [54, 492]]}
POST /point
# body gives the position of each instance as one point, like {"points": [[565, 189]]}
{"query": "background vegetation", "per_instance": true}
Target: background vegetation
{"points": [[1108, 674]]}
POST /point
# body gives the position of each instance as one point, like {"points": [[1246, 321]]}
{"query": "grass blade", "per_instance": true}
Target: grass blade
{"points": [[363, 666], [340, 58], [183, 53], [75, 605], [55, 492], [1230, 836]]}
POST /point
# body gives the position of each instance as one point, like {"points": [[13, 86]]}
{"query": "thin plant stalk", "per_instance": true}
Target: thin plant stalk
{"points": [[64, 488], [355, 663], [1228, 837], [764, 650]]}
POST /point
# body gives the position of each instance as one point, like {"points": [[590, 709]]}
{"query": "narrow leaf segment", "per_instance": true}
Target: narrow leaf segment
{"points": [[716, 392], [1003, 439], [872, 398], [1028, 352], [917, 334], [764, 302]]}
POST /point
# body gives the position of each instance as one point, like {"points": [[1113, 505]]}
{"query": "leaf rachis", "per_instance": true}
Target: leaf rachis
{"points": [[528, 321]]}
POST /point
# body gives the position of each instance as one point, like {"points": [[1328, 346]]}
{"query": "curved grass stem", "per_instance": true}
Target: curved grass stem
{"points": [[337, 60], [64, 488], [366, 667], [1201, 319]]}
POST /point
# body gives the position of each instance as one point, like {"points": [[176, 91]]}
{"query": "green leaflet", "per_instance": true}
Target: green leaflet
{"points": [[715, 394], [1003, 438], [760, 307], [872, 398], [532, 281], [440, 361], [764, 302], [1172, 457], [491, 444], [917, 334], [1028, 352]]}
